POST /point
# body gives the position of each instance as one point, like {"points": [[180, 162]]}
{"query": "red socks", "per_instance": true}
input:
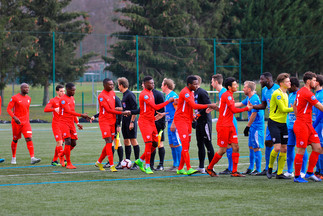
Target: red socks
{"points": [[298, 161], [235, 161], [215, 159], [30, 147], [13, 148], [67, 152], [312, 161], [108, 149], [103, 155], [55, 154]]}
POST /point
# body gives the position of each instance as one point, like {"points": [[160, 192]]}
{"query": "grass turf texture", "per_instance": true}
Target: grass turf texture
{"points": [[42, 189]]}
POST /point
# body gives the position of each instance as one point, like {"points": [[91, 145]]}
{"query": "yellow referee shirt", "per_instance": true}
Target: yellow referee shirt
{"points": [[279, 106]]}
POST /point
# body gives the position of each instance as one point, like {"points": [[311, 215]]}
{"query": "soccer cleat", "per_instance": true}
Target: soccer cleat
{"points": [[140, 165], [263, 173], [182, 172], [201, 170], [237, 174], [287, 174], [55, 163], [134, 167], [302, 175], [34, 160], [254, 173], [282, 176], [248, 172], [274, 173], [13, 160], [1, 160], [152, 168], [173, 169], [160, 167], [211, 172], [119, 166], [70, 166], [100, 165], [269, 173], [107, 165], [312, 177], [113, 169], [191, 171], [62, 161], [299, 180], [225, 172], [149, 171]]}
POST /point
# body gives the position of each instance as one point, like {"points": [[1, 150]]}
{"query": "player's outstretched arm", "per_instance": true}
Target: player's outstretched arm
{"points": [[263, 105], [319, 106]]}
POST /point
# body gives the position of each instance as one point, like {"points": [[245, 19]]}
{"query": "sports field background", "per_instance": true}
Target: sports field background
{"points": [[45, 190]]}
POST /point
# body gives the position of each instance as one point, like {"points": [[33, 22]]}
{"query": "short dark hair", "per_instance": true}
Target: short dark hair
{"points": [[59, 86], [294, 81], [190, 79], [147, 78], [69, 85], [228, 82], [218, 78], [308, 76], [319, 79], [106, 80], [268, 75]]}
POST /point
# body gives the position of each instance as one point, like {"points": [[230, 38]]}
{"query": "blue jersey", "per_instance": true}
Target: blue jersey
{"points": [[170, 109], [266, 94], [221, 92], [315, 112], [260, 118], [291, 118]]}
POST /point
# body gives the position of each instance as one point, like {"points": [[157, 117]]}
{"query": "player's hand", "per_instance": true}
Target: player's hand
{"points": [[131, 125], [170, 100], [57, 109], [213, 106], [118, 129], [118, 108], [172, 127], [80, 126], [85, 116], [159, 115], [175, 101], [126, 113], [92, 118], [17, 120], [250, 106], [246, 131]]}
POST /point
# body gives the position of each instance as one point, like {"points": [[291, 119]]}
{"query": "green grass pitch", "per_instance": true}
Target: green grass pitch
{"points": [[45, 190]]}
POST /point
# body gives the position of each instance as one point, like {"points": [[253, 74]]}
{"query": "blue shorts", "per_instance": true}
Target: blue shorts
{"points": [[268, 137], [319, 131], [173, 137], [291, 138], [256, 138]]}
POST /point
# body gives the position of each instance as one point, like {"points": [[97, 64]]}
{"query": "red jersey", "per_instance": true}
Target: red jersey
{"points": [[67, 112], [185, 106], [51, 106], [20, 105], [227, 110], [305, 99], [147, 105], [107, 105]]}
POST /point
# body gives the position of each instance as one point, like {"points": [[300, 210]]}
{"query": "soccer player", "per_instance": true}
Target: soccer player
{"points": [[225, 128], [129, 123], [254, 129], [53, 106], [203, 127], [217, 81], [67, 117], [20, 104], [291, 135], [318, 123], [107, 120], [268, 87], [167, 87], [303, 129], [1, 159], [146, 122], [183, 121]]}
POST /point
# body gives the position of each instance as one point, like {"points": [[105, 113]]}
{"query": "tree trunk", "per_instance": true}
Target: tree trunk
{"points": [[46, 93]]}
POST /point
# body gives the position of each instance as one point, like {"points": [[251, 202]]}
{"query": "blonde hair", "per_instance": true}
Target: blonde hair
{"points": [[251, 85], [169, 83]]}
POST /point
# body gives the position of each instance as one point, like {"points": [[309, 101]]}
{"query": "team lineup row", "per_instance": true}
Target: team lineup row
{"points": [[289, 124]]}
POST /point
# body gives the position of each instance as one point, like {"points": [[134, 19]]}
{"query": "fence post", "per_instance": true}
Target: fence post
{"points": [[214, 63], [53, 64], [82, 102], [240, 73], [262, 56]]}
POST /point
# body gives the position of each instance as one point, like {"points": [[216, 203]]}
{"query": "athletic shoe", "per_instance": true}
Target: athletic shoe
{"points": [[237, 174], [113, 169], [211, 172], [302, 175], [263, 173], [55, 163], [152, 168], [254, 173], [225, 172], [149, 171], [269, 173], [71, 166], [191, 171], [317, 174], [1, 160], [34, 160], [13, 160], [182, 172], [97, 164], [248, 172], [282, 176], [299, 180], [201, 170], [274, 173], [160, 167], [140, 165], [287, 174], [134, 167], [107, 165], [62, 161], [312, 177], [173, 169], [119, 166]]}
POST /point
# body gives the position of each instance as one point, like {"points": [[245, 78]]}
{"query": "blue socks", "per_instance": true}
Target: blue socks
{"points": [[305, 160], [178, 151], [229, 155], [251, 159], [290, 158], [258, 158]]}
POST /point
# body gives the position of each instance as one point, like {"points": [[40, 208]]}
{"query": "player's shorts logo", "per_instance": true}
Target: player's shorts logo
{"points": [[146, 97], [313, 97], [64, 134], [315, 135], [105, 133], [274, 139], [229, 98], [301, 143], [279, 97], [63, 102], [28, 101], [222, 142], [148, 137], [187, 95], [11, 99], [101, 99], [56, 136], [184, 136]]}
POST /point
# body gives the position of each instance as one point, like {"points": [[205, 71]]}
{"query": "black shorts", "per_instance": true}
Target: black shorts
{"points": [[159, 127], [278, 132], [126, 133]]}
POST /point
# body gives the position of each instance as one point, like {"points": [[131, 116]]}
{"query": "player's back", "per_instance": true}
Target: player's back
{"points": [[305, 100], [21, 106], [65, 101]]}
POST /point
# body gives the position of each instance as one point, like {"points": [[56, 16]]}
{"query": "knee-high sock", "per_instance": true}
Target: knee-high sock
{"points": [[185, 154], [305, 159], [67, 152], [60, 151], [30, 147], [161, 153], [229, 155], [215, 159], [128, 151], [290, 158], [120, 153], [152, 158], [267, 155], [109, 151], [174, 155], [14, 148], [112, 149], [251, 159], [136, 150], [103, 155], [258, 157], [281, 162], [146, 155], [273, 156], [312, 161], [179, 154], [321, 163], [235, 161], [298, 164], [55, 154]]}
